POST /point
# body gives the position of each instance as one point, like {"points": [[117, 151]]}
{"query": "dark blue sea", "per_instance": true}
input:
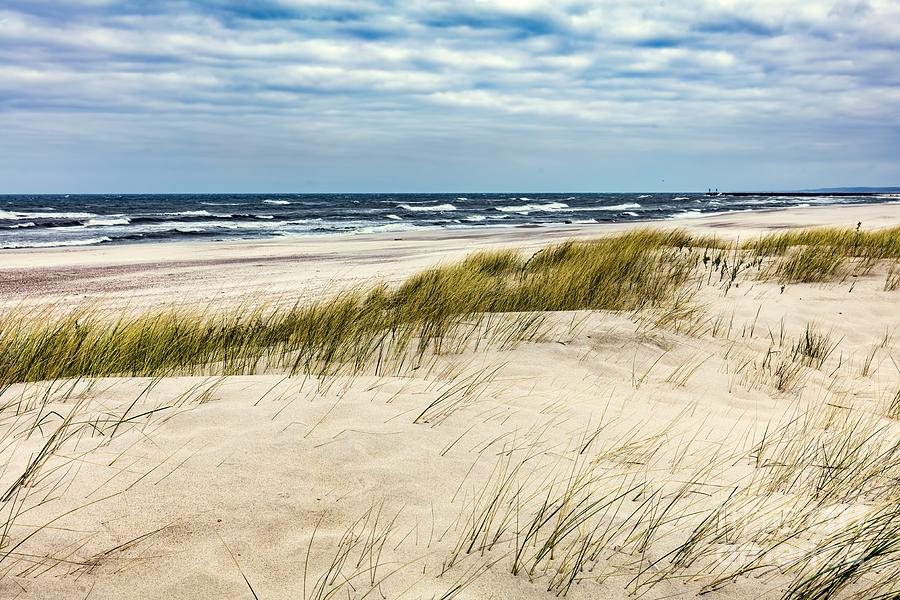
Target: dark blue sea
{"points": [[42, 221]]}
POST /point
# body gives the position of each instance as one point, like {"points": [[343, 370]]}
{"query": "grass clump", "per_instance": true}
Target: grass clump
{"points": [[819, 255], [882, 243], [814, 347], [811, 264]]}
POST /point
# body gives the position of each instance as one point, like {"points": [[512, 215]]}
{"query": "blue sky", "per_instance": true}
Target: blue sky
{"points": [[434, 95]]}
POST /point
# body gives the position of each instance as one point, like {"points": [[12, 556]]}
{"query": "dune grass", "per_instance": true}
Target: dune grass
{"points": [[880, 243], [625, 272], [822, 254], [640, 269]]}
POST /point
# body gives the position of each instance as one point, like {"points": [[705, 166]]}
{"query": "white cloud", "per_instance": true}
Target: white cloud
{"points": [[694, 70]]}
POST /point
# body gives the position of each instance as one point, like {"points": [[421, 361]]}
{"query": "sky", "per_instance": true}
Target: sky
{"points": [[102, 96]]}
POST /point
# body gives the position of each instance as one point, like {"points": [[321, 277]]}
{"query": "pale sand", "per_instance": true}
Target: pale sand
{"points": [[231, 484]]}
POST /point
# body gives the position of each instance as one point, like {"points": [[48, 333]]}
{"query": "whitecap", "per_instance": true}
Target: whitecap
{"points": [[192, 213], [681, 198], [476, 218], [21, 225], [585, 221], [58, 243], [385, 228], [437, 208], [688, 214], [644, 196], [626, 206], [17, 216], [395, 217], [108, 221], [528, 208], [631, 214], [278, 202]]}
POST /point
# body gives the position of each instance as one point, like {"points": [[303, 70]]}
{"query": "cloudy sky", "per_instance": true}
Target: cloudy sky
{"points": [[441, 95]]}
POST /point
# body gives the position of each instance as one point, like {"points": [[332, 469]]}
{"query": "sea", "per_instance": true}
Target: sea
{"points": [[45, 221]]}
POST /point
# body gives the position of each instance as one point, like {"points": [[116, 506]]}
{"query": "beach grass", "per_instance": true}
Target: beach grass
{"points": [[626, 272], [644, 268]]}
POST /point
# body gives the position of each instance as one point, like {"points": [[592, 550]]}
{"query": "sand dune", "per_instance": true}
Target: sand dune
{"points": [[724, 449]]}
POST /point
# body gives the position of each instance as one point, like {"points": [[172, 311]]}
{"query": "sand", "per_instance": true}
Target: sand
{"points": [[247, 486]]}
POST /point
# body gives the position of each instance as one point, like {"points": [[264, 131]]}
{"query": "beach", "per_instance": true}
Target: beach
{"points": [[306, 267], [723, 441]]}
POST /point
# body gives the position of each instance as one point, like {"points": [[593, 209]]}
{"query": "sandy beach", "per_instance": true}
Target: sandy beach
{"points": [[718, 450]]}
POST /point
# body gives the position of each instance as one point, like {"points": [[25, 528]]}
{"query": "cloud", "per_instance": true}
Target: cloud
{"points": [[420, 80]]}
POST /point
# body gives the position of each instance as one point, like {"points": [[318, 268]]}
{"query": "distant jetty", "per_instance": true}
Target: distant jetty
{"points": [[799, 194]]}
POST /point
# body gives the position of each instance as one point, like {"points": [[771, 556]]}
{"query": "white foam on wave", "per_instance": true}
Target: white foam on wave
{"points": [[529, 208], [223, 203], [242, 225], [55, 244], [18, 216], [385, 228], [681, 198], [476, 218], [630, 214], [192, 213], [626, 206], [395, 217], [462, 198], [108, 221], [688, 214], [21, 225], [278, 202], [202, 226], [424, 208], [644, 196], [585, 221]]}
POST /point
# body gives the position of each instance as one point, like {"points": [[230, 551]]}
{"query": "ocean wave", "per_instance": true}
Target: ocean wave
{"points": [[278, 202], [462, 198], [424, 208], [585, 221], [55, 244], [21, 225], [476, 218], [223, 203], [681, 198], [385, 228], [630, 214], [626, 206], [644, 196], [108, 221], [528, 208], [192, 213], [395, 217], [6, 215], [688, 214]]}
